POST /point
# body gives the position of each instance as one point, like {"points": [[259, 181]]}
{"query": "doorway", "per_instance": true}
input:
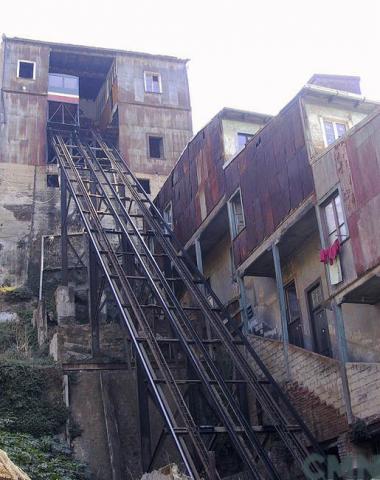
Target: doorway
{"points": [[319, 324]]}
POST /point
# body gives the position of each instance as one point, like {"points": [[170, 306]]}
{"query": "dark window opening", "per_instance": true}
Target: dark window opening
{"points": [[156, 147], [26, 70], [145, 184], [152, 82], [243, 139], [293, 314], [52, 181]]}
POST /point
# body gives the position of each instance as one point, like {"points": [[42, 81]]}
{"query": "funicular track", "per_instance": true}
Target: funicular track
{"points": [[148, 272]]}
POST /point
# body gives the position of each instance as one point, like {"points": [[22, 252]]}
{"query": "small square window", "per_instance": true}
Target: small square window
{"points": [[243, 139], [25, 69], [333, 130], [156, 147], [152, 82], [145, 184], [236, 214], [52, 181]]}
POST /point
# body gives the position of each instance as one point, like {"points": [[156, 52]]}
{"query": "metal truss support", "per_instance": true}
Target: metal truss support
{"points": [[64, 236], [144, 418], [282, 303], [94, 299]]}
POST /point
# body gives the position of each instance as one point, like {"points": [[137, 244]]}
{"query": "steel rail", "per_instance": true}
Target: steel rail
{"points": [[208, 382], [160, 397], [297, 449]]}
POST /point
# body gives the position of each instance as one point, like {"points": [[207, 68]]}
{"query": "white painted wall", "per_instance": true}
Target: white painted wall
{"points": [[315, 112], [230, 130]]}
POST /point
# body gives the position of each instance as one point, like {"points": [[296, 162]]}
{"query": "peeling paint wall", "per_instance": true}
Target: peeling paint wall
{"points": [[316, 112], [231, 128], [166, 114], [218, 268], [28, 209]]}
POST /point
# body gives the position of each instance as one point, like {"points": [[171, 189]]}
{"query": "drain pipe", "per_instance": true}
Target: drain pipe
{"points": [[42, 261]]}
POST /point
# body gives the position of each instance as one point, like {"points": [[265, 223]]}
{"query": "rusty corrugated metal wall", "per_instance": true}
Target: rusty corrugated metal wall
{"points": [[23, 133], [196, 183], [357, 161], [273, 173]]}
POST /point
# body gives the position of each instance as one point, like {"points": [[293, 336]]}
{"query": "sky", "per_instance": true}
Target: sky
{"points": [[246, 54]]}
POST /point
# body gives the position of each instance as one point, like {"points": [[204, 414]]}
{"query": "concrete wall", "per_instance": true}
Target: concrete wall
{"points": [[28, 208], [217, 267]]}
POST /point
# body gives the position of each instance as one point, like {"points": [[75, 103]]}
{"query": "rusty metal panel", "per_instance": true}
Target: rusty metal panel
{"points": [[274, 176], [23, 136], [23, 133], [273, 173], [198, 174], [358, 166]]}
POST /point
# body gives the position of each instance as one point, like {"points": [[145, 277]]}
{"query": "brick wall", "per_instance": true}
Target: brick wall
{"points": [[319, 375], [315, 386], [364, 383]]}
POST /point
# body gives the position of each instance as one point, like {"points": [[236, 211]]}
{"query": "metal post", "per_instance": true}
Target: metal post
{"points": [[281, 300], [243, 302], [143, 401], [343, 357], [198, 256], [93, 300], [64, 213], [212, 465]]}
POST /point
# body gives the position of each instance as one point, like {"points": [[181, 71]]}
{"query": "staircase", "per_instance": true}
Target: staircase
{"points": [[167, 306]]}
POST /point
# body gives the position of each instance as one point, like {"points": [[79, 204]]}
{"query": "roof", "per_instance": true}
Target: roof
{"points": [[360, 102], [93, 50], [243, 115]]}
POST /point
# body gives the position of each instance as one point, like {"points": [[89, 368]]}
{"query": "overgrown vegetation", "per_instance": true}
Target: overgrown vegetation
{"points": [[32, 412], [43, 458], [27, 403]]}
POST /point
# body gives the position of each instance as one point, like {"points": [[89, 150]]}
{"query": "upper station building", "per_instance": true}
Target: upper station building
{"points": [[140, 102]]}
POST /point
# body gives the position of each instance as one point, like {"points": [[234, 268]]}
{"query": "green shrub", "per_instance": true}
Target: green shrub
{"points": [[27, 401], [44, 458]]}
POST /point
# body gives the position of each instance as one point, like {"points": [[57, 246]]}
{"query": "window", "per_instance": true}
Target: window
{"points": [[168, 215], [156, 147], [152, 82], [52, 181], [333, 220], [243, 139], [236, 214], [26, 69], [145, 184], [293, 314], [333, 130]]}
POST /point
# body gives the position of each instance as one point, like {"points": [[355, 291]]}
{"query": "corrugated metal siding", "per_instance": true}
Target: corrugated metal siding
{"points": [[23, 133], [274, 176], [358, 167], [197, 178], [273, 173]]}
